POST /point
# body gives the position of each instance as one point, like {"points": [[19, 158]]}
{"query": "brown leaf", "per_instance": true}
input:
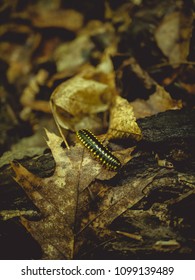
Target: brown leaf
{"points": [[122, 121], [117, 200], [166, 246], [63, 197], [56, 197], [69, 56], [31, 146], [173, 36], [43, 16], [69, 19], [190, 88], [160, 101], [76, 100]]}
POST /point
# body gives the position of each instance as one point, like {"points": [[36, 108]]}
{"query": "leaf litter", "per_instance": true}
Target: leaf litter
{"points": [[79, 201], [60, 196]]}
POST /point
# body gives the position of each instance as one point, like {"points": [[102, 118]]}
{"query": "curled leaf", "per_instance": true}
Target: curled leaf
{"points": [[76, 100]]}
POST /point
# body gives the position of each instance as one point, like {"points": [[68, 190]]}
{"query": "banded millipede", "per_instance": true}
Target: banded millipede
{"points": [[101, 153]]}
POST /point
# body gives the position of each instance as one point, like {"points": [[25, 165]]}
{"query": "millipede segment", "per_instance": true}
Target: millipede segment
{"points": [[101, 153]]}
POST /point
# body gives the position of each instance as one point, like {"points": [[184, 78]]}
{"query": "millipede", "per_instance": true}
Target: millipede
{"points": [[100, 152]]}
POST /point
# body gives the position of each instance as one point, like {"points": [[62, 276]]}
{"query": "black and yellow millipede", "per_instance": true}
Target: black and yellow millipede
{"points": [[100, 152]]}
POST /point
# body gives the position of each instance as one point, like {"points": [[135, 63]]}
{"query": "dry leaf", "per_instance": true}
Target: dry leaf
{"points": [[31, 146], [132, 80], [166, 245], [69, 56], [190, 88], [18, 60], [120, 16], [113, 201], [11, 27], [28, 98], [10, 214], [173, 36], [122, 121], [58, 18], [160, 101], [77, 101], [18, 57], [117, 200], [59, 196], [56, 198], [68, 19]]}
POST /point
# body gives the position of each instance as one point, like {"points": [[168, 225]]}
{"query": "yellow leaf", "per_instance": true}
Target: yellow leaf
{"points": [[77, 98], [122, 121]]}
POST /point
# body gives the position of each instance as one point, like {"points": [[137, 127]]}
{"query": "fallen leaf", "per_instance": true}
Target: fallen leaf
{"points": [[56, 198], [122, 121], [177, 27], [31, 146], [61, 197], [10, 214], [68, 19], [78, 99], [112, 202], [69, 56], [190, 88], [116, 201], [58, 18], [160, 101], [166, 245]]}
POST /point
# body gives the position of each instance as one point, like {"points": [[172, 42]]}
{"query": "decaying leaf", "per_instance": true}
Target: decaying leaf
{"points": [[76, 102], [51, 17], [178, 28], [10, 214], [122, 121], [166, 245], [91, 52], [58, 197], [69, 56], [18, 61], [190, 88], [117, 200], [28, 98], [159, 101], [103, 72], [31, 146], [69, 19], [121, 16], [113, 201]]}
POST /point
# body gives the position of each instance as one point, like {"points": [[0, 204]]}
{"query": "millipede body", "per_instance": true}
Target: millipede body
{"points": [[101, 153]]}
